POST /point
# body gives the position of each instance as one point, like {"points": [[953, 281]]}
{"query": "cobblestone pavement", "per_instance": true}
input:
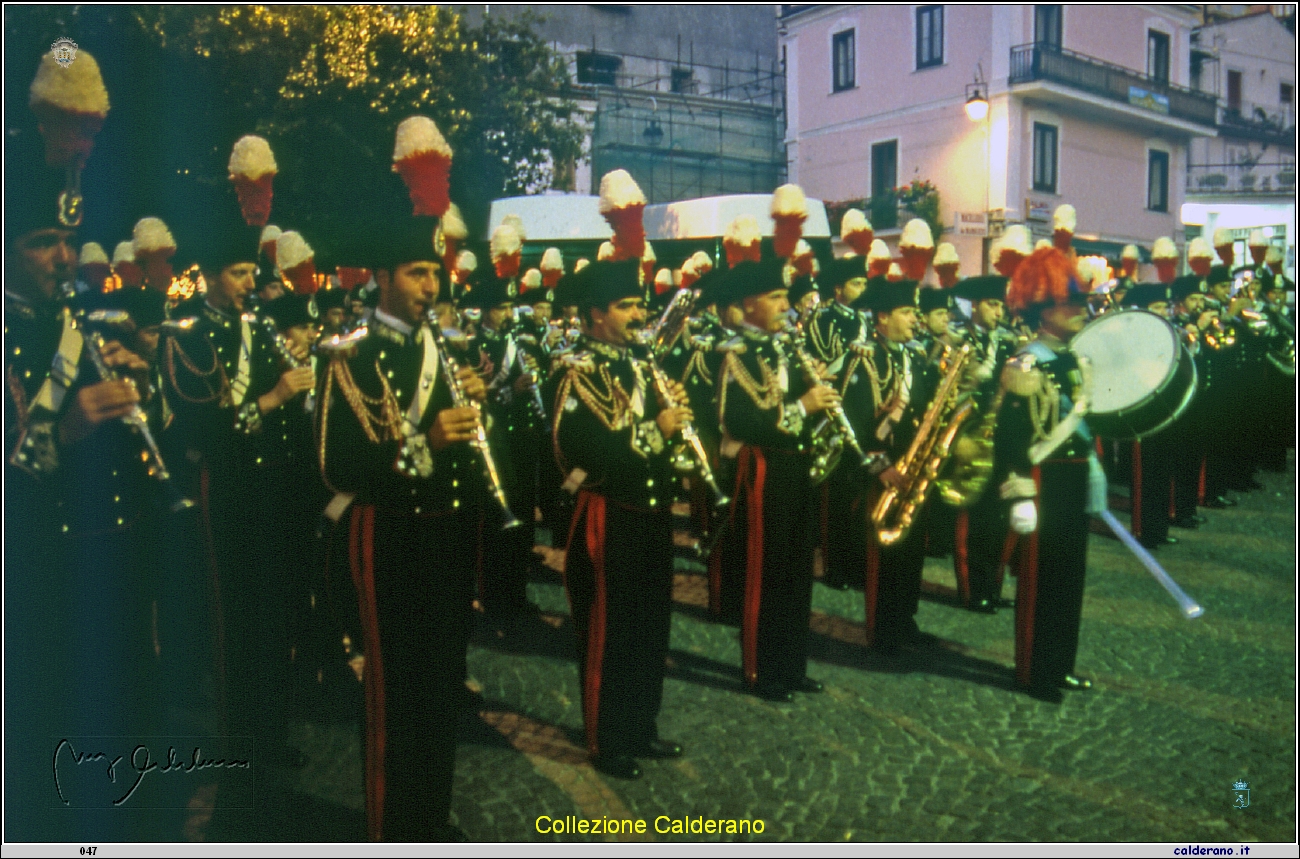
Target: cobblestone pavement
{"points": [[942, 749]]}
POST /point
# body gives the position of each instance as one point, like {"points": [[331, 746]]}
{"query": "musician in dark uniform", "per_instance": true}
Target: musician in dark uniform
{"points": [[238, 409], [77, 635], [887, 384], [1047, 471], [837, 324], [1191, 319], [515, 421], [841, 526], [612, 435], [392, 444], [1222, 369], [981, 529], [766, 410]]}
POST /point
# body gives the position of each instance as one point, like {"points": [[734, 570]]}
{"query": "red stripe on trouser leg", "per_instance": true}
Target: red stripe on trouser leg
{"points": [[1026, 593], [960, 558], [1173, 512], [871, 580], [1135, 502], [595, 539], [753, 475], [1200, 485], [361, 558], [1008, 547]]}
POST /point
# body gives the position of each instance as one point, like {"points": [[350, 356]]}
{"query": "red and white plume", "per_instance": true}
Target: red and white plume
{"points": [[622, 204], [454, 233], [252, 169], [296, 261], [125, 266], [70, 106], [856, 231], [742, 240], [506, 248], [93, 265], [154, 248], [423, 159], [266, 243], [552, 267], [789, 211]]}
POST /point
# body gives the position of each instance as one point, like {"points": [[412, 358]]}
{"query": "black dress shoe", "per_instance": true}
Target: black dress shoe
{"points": [[1156, 544], [659, 749], [618, 766], [809, 685], [1050, 694], [777, 694], [1003, 602], [983, 607], [1075, 683]]}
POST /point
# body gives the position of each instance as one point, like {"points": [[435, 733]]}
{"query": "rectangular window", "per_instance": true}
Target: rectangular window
{"points": [[1047, 26], [1045, 157], [601, 69], [1158, 181], [884, 176], [929, 36], [1234, 91], [1158, 56], [1284, 93], [842, 58]]}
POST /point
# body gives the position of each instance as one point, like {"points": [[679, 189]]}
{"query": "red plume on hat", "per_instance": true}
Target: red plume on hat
{"points": [[622, 204], [297, 262], [252, 170], [742, 240], [856, 231], [789, 211], [423, 159], [70, 103], [351, 277], [1043, 278]]}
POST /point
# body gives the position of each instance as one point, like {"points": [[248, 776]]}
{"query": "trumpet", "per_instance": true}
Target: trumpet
{"points": [[136, 419], [835, 432], [479, 442]]}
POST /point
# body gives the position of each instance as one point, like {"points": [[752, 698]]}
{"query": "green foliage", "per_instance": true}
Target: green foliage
{"points": [[921, 198]]}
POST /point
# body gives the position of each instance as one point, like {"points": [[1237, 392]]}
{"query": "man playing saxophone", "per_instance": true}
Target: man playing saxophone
{"points": [[887, 384]]}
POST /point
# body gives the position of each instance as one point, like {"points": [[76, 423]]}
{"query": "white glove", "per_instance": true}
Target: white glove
{"points": [[1024, 516]]}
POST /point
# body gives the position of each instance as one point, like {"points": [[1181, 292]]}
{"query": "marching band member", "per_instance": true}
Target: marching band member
{"points": [[1046, 469], [612, 435]]}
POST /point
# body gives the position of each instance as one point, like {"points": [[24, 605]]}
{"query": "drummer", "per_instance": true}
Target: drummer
{"points": [[1154, 456]]}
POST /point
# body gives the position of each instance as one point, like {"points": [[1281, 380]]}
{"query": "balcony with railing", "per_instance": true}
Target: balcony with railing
{"points": [[1267, 124], [1243, 179], [1047, 63]]}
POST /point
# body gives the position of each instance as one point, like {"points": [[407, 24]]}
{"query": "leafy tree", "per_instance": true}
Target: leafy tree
{"points": [[326, 85]]}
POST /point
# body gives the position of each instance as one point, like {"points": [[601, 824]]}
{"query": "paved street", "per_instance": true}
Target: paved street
{"points": [[941, 749]]}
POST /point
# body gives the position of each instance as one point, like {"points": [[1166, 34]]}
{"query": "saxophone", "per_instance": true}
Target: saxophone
{"points": [[925, 458]]}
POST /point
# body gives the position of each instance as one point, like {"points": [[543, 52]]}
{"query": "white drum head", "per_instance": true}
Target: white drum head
{"points": [[1133, 353]]}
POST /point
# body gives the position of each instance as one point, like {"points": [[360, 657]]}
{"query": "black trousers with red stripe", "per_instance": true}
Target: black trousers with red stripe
{"points": [[1058, 555], [986, 536], [414, 579], [619, 577]]}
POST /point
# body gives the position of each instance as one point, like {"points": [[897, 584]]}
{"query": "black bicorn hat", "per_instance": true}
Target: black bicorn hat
{"points": [[1218, 274], [981, 288], [147, 307], [885, 295], [291, 309], [486, 290], [605, 282], [844, 269], [329, 299], [933, 299], [749, 278], [1146, 294], [1184, 286]]}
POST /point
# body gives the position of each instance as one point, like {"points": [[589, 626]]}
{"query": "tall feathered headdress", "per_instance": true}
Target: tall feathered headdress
{"points": [[789, 211], [1045, 277], [252, 169], [70, 103], [297, 262], [423, 159], [742, 240], [856, 231], [622, 204]]}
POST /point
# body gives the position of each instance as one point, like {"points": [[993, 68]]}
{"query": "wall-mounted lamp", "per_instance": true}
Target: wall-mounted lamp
{"points": [[654, 133], [977, 101]]}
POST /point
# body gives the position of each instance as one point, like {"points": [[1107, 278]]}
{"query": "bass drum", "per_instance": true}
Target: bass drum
{"points": [[1143, 377]]}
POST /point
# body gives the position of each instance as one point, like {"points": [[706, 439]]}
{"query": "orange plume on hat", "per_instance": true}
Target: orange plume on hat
{"points": [[1042, 278], [252, 169], [423, 159], [297, 262]]}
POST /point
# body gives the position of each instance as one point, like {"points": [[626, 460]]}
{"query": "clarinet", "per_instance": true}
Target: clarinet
{"points": [[836, 414], [479, 442], [282, 349], [136, 418]]}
